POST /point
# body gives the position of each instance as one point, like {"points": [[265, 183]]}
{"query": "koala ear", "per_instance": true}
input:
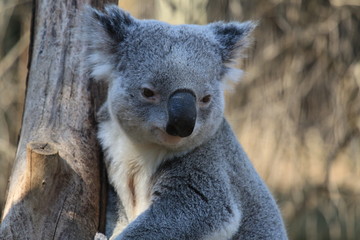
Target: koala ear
{"points": [[233, 38], [102, 34]]}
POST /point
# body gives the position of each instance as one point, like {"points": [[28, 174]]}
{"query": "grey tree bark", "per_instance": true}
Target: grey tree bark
{"points": [[54, 189]]}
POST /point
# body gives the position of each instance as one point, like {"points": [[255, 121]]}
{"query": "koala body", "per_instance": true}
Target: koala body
{"points": [[176, 168]]}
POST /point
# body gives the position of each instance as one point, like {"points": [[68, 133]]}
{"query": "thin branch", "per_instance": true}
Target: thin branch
{"points": [[14, 53]]}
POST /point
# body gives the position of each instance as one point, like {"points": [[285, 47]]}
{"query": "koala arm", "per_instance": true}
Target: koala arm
{"points": [[185, 209]]}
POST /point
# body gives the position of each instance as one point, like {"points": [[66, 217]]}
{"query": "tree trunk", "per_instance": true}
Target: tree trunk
{"points": [[54, 190]]}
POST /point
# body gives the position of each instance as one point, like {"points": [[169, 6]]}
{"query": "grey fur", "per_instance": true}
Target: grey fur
{"points": [[204, 187]]}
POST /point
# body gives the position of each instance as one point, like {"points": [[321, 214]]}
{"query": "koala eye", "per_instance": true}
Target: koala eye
{"points": [[147, 93], [206, 99]]}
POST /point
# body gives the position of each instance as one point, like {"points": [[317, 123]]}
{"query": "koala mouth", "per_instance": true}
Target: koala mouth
{"points": [[169, 139]]}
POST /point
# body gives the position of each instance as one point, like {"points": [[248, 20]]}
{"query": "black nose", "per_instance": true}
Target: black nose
{"points": [[182, 113]]}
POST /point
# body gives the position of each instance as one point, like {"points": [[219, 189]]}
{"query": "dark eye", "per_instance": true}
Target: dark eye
{"points": [[206, 99], [147, 93]]}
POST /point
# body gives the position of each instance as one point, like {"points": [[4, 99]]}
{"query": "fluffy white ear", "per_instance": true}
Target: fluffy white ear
{"points": [[233, 38], [102, 34]]}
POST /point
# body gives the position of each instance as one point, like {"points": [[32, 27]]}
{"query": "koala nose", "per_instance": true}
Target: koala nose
{"points": [[182, 113]]}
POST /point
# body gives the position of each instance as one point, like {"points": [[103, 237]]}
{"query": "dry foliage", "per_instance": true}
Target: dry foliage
{"points": [[296, 111]]}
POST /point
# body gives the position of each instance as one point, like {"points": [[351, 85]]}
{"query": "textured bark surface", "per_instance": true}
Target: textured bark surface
{"points": [[54, 189]]}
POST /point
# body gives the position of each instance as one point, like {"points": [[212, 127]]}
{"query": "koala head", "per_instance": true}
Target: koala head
{"points": [[165, 81]]}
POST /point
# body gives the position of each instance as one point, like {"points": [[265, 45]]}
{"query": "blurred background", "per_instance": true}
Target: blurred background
{"points": [[296, 110]]}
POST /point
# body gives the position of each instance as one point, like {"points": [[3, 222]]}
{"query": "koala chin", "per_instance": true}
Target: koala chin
{"points": [[175, 167]]}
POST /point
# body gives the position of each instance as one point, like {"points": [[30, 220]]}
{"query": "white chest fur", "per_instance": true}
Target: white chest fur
{"points": [[130, 167]]}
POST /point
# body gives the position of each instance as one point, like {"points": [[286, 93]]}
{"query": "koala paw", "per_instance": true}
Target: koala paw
{"points": [[100, 236]]}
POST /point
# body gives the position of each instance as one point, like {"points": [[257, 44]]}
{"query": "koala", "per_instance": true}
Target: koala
{"points": [[175, 166]]}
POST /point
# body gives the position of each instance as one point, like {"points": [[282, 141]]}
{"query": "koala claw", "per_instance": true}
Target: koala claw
{"points": [[100, 236]]}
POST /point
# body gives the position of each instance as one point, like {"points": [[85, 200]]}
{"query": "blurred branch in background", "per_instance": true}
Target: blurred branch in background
{"points": [[296, 111], [16, 51], [14, 41]]}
